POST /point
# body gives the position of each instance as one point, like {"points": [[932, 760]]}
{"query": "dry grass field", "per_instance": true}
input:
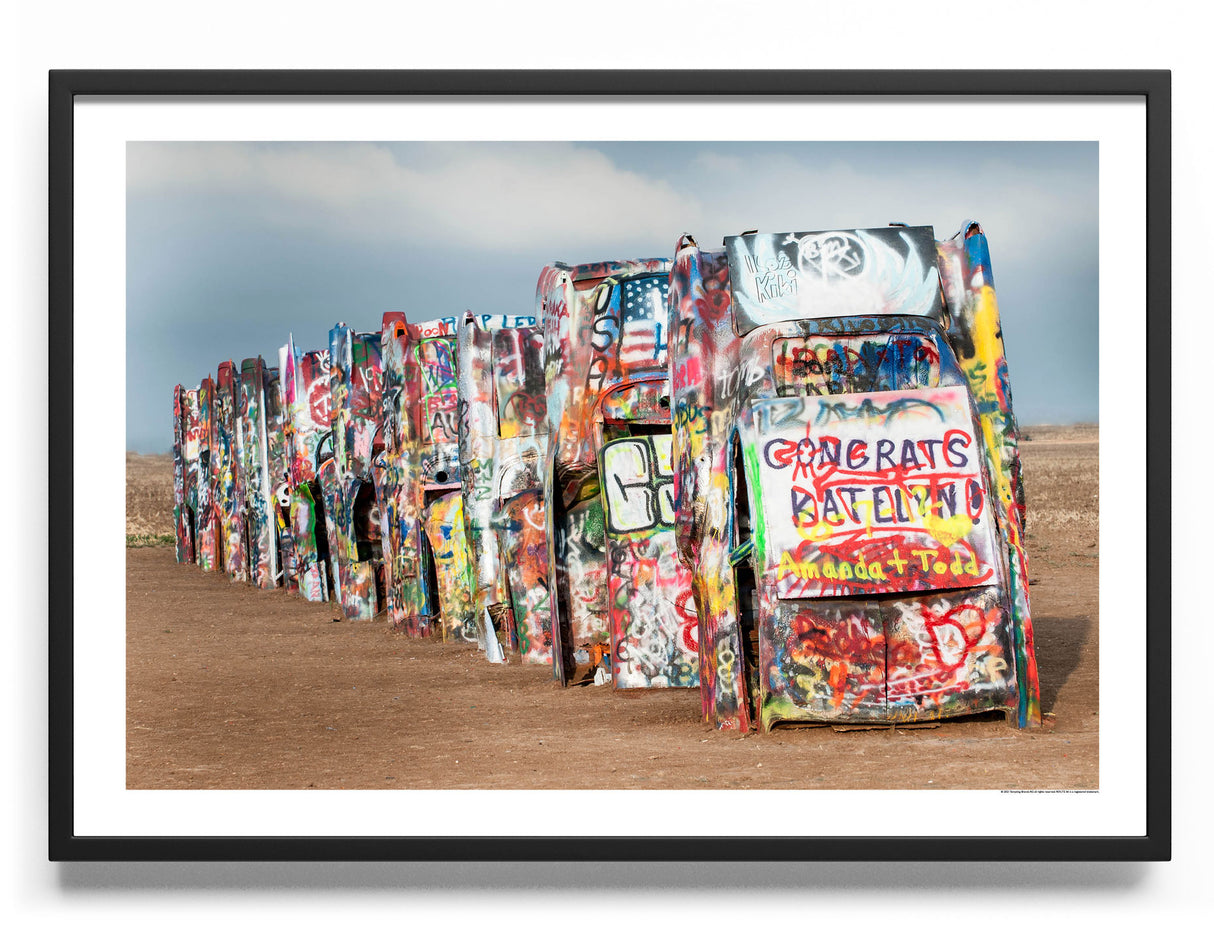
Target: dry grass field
{"points": [[229, 687]]}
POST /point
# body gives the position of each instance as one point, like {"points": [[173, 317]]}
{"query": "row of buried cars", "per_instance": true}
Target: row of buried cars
{"points": [[784, 471]]}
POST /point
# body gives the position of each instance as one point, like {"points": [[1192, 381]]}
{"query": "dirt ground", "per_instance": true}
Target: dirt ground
{"points": [[230, 687]]}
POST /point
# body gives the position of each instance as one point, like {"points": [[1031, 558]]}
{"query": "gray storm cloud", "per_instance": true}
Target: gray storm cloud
{"points": [[231, 245]]}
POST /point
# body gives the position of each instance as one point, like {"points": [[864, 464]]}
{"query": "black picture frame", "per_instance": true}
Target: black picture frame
{"points": [[1152, 86]]}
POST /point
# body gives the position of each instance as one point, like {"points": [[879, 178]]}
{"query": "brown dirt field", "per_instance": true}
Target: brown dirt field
{"points": [[230, 687], [149, 494]]}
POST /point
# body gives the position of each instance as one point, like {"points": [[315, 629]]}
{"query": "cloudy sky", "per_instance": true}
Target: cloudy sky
{"points": [[230, 246]]}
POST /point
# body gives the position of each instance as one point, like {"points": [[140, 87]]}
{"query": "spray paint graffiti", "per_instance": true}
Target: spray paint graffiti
{"points": [[399, 491], [255, 425], [183, 446], [228, 448], [519, 451], [519, 523], [206, 523], [306, 426], [832, 487], [229, 476], [976, 336], [431, 477], [452, 567], [503, 433], [653, 624], [352, 517], [872, 493], [477, 442], [778, 278], [830, 531], [606, 352]]}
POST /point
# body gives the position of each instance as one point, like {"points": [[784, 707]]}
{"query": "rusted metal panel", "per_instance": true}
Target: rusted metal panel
{"points": [[847, 544]]}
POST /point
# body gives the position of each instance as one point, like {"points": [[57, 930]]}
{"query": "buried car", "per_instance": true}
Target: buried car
{"points": [[847, 480], [398, 490], [259, 457], [229, 438], [187, 441], [430, 504], [229, 478], [345, 468], [605, 347], [503, 442], [306, 427], [195, 469]]}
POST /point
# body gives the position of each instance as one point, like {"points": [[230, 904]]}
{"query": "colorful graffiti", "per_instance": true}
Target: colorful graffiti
{"points": [[832, 488], [785, 471], [653, 622], [182, 511], [230, 478], [398, 489], [352, 516], [606, 363], [519, 523], [452, 567], [254, 426], [872, 493], [976, 336], [227, 448], [503, 433], [207, 525], [431, 478], [306, 426], [519, 452]]}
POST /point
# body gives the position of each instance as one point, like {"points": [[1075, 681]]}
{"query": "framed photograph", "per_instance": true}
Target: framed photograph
{"points": [[207, 704]]}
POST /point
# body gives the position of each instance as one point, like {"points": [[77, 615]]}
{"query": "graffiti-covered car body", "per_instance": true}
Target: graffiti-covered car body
{"points": [[207, 536], [260, 432], [606, 367], [307, 428], [430, 447], [196, 472], [345, 476], [229, 479], [834, 463], [503, 444], [650, 608], [398, 489], [187, 438]]}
